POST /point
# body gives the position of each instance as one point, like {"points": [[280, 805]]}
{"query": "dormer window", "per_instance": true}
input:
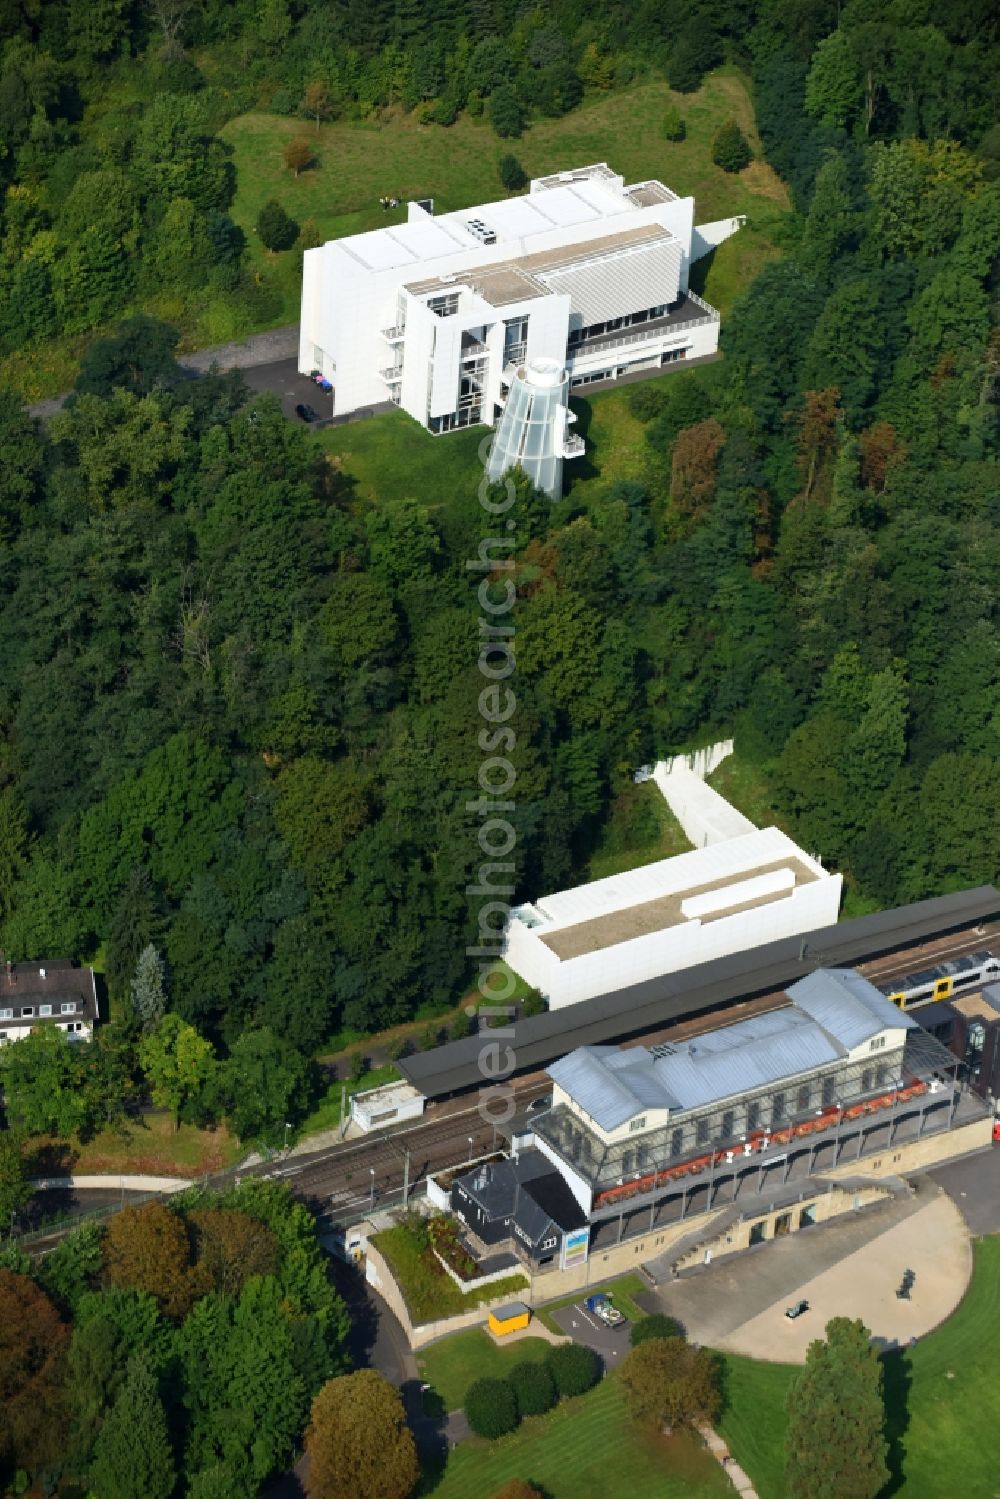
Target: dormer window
{"points": [[637, 1124]]}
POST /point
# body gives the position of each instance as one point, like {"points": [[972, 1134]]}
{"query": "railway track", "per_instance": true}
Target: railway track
{"points": [[344, 1179]]}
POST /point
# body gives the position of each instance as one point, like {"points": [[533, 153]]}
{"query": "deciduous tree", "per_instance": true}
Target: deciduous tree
{"points": [[33, 1342], [146, 1249], [179, 1065], [358, 1442], [670, 1383], [298, 154]]}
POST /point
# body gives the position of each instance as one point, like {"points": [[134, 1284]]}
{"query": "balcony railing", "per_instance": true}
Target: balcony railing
{"points": [[602, 344], [573, 446]]}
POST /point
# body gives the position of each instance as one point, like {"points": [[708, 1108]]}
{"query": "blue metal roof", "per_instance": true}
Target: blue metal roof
{"points": [[834, 1010], [846, 1005]]}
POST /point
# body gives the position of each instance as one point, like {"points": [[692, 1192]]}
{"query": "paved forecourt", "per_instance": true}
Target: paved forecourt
{"points": [[933, 1242]]}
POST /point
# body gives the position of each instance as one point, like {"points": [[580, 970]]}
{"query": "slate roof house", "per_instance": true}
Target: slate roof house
{"points": [[522, 1201], [53, 992]]}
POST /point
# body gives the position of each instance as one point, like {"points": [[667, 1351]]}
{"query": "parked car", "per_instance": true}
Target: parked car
{"points": [[601, 1306], [538, 1104], [306, 413], [797, 1309]]}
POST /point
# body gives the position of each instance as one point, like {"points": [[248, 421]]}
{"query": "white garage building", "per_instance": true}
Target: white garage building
{"points": [[438, 313]]}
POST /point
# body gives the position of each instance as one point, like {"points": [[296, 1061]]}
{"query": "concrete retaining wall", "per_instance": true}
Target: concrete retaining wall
{"points": [[705, 816], [378, 1274], [110, 1183]]}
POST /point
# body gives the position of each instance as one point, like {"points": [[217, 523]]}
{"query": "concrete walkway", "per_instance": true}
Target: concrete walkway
{"points": [[732, 1469], [111, 1180]]}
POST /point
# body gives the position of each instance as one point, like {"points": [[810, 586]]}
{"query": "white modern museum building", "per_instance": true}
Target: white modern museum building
{"points": [[440, 314]]}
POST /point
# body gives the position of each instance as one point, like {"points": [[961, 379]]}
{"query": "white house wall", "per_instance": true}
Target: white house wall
{"points": [[811, 905]]}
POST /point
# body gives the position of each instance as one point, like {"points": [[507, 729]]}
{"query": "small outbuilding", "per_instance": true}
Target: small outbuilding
{"points": [[386, 1105], [513, 1317]]}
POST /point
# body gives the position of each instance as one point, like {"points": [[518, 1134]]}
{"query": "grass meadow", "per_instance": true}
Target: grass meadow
{"points": [[942, 1403]]}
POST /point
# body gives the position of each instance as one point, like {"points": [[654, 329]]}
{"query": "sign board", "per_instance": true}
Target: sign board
{"points": [[575, 1248]]}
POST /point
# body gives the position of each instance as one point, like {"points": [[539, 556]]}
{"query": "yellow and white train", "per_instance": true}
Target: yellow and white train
{"points": [[946, 981]]}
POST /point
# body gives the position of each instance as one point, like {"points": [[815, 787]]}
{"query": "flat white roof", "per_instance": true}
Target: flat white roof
{"points": [[553, 203], [678, 876]]}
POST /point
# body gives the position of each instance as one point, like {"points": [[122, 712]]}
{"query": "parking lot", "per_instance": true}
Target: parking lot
{"points": [[282, 379], [612, 1343]]}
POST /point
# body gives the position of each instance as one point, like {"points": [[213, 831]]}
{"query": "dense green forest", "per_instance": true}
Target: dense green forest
{"points": [[239, 701], [239, 711], [180, 1341]]}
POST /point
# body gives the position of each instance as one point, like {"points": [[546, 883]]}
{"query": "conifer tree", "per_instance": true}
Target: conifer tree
{"points": [[132, 1454], [835, 1446], [731, 149], [149, 988]]}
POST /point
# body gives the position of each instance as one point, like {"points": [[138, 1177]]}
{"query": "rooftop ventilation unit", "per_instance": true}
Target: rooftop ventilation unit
{"points": [[481, 231]]}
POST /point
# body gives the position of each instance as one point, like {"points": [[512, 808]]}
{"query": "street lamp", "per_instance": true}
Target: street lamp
{"points": [[371, 1173], [287, 1128], [471, 1141]]}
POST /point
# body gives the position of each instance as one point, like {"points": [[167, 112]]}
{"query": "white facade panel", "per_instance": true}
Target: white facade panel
{"points": [[617, 285], [676, 948], [351, 287]]}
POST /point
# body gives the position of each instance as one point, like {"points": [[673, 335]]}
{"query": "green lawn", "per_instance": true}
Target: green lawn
{"points": [[942, 1396], [452, 1364], [429, 1293], [391, 458], [584, 1449], [746, 784], [358, 162], [622, 1291], [640, 827]]}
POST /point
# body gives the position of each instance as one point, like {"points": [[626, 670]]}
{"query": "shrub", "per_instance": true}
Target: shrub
{"points": [[574, 1369], [534, 1388], [511, 173], [506, 114], [491, 1408], [516, 1488], [277, 229], [533, 1003], [656, 1326], [460, 1027], [674, 128], [731, 149]]}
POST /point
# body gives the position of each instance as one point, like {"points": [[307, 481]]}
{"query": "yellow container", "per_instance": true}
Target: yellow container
{"points": [[510, 1318]]}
